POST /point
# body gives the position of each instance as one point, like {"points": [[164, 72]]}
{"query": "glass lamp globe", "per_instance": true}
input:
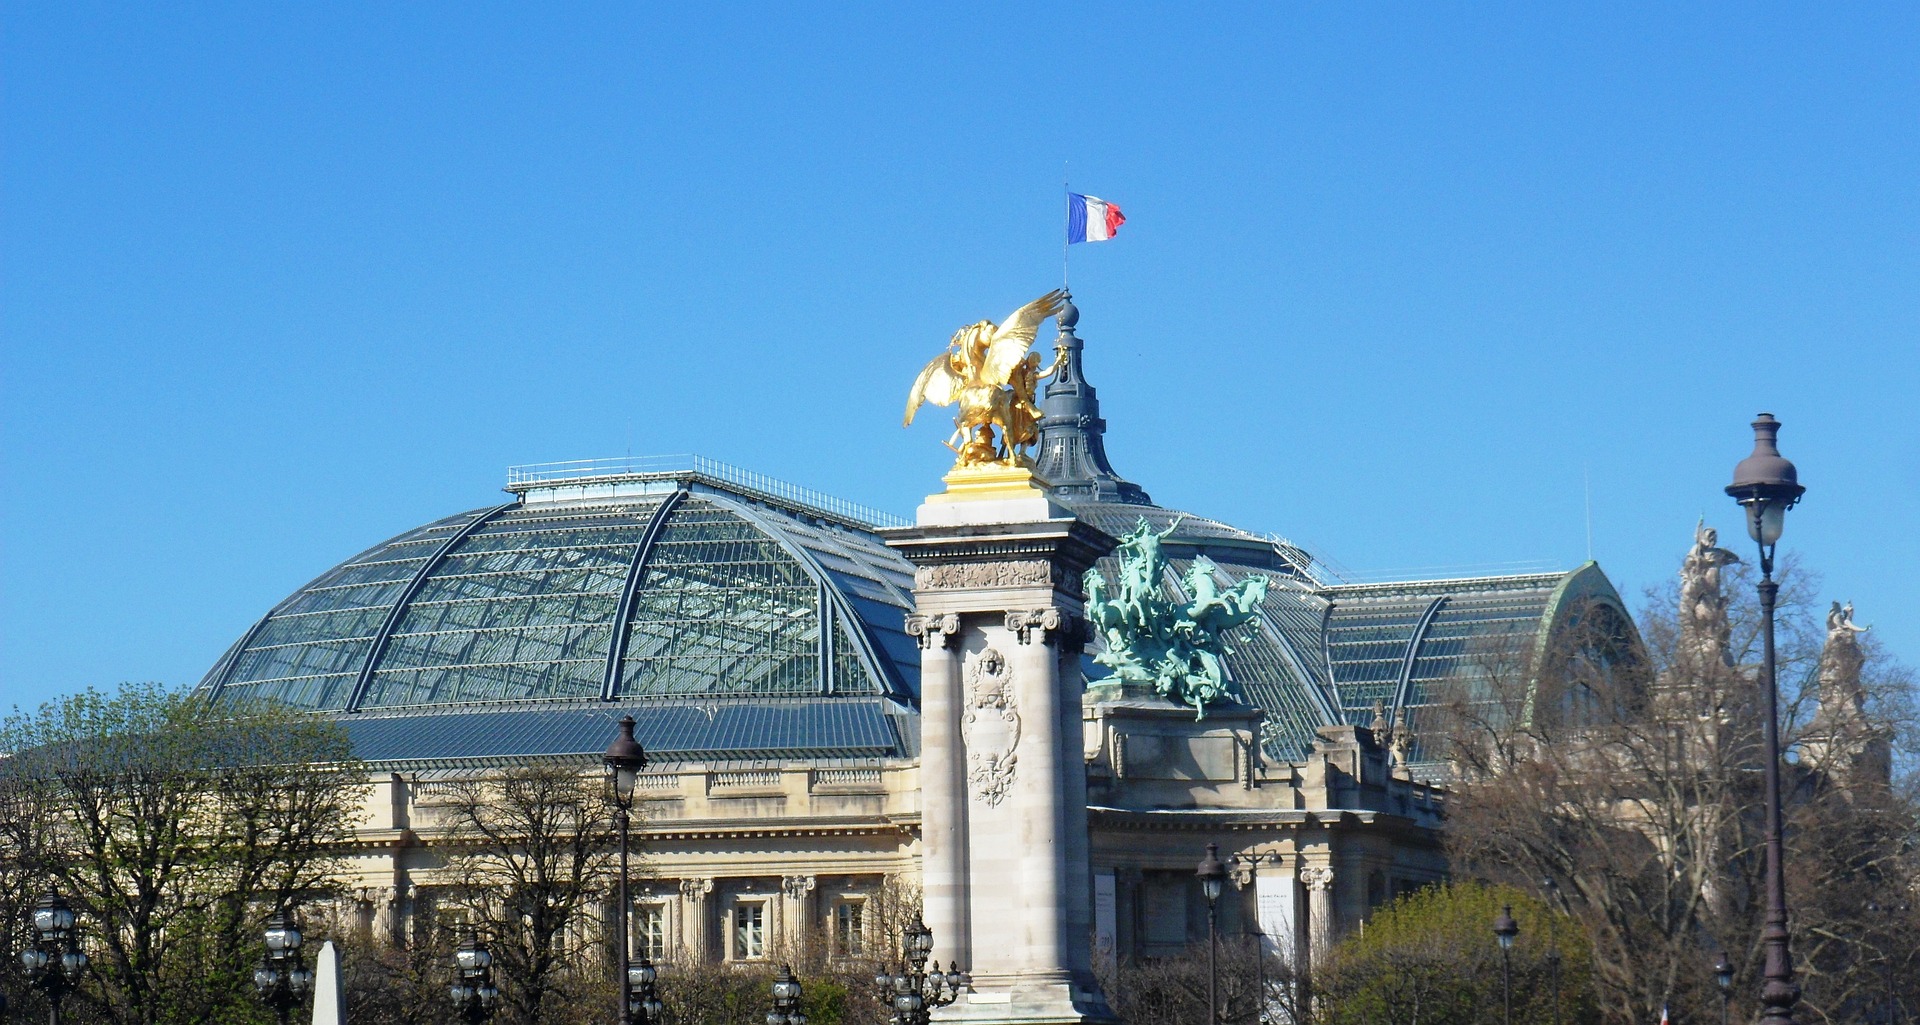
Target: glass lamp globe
{"points": [[1766, 483], [1212, 873], [281, 935], [1505, 928]]}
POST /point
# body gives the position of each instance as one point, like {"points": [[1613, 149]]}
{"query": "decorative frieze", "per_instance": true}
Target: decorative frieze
{"points": [[1011, 573]]}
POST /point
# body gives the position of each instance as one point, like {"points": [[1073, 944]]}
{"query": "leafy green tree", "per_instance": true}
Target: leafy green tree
{"points": [[174, 829], [1431, 958]]}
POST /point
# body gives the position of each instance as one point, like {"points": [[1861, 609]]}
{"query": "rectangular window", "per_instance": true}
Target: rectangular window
{"points": [[650, 931], [749, 931], [849, 934]]}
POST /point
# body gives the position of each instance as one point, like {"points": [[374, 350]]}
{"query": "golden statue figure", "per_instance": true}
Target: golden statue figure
{"points": [[992, 375]]}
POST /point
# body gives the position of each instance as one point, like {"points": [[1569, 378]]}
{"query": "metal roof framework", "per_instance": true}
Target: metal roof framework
{"points": [[511, 604]]}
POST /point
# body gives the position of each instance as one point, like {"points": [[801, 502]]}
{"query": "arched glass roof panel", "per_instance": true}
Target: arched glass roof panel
{"points": [[1484, 630], [521, 609], [722, 609], [309, 651]]}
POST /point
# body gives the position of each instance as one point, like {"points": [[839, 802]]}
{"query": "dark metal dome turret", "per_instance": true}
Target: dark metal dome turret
{"points": [[1073, 451]]}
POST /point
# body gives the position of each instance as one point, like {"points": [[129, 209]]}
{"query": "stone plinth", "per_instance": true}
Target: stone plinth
{"points": [[1008, 891]]}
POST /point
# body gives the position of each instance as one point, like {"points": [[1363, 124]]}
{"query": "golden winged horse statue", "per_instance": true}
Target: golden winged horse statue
{"points": [[991, 373]]}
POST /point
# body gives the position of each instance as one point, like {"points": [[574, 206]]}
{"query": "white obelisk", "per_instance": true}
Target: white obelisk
{"points": [[329, 994]]}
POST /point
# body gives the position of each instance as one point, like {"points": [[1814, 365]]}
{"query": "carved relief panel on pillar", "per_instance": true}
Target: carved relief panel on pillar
{"points": [[991, 727]]}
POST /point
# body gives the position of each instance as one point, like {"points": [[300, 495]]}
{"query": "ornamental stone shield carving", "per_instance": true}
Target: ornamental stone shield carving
{"points": [[991, 728]]}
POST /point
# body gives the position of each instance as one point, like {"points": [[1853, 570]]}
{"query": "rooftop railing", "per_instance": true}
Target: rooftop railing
{"points": [[582, 472]]}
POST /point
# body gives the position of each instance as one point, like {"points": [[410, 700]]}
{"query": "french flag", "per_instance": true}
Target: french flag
{"points": [[1091, 219]]}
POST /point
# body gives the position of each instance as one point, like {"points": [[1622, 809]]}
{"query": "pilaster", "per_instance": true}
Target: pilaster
{"points": [[796, 912], [696, 929]]}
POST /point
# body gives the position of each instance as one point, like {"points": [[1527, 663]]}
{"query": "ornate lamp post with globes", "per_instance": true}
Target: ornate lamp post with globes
{"points": [[283, 979], [913, 991], [1766, 485], [473, 992], [625, 759], [643, 1001], [1212, 874], [786, 1000], [54, 962]]}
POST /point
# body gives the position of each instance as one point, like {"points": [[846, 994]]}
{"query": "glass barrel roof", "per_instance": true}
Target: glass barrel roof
{"points": [[521, 609], [1406, 648], [692, 604], [309, 650], [1321, 654], [684, 593]]}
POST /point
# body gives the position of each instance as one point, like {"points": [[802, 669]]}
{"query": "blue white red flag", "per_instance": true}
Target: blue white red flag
{"points": [[1091, 219], [1664, 1020]]}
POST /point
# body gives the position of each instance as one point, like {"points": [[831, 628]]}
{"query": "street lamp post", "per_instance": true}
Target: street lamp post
{"points": [[282, 978], [54, 962], [473, 992], [1723, 975], [1505, 929], [1553, 943], [786, 1000], [625, 759], [913, 991], [1767, 485], [1213, 877]]}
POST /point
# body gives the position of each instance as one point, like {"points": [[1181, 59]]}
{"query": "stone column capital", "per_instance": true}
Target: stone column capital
{"points": [[797, 887], [695, 889], [1318, 878], [1058, 626], [934, 631]]}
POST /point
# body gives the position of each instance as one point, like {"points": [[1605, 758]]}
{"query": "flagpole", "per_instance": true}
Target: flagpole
{"points": [[1066, 244]]}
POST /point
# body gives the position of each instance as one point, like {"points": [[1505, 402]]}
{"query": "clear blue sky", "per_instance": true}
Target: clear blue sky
{"points": [[281, 281]]}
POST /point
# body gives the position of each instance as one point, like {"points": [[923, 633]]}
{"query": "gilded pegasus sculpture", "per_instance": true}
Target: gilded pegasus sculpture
{"points": [[991, 373]]}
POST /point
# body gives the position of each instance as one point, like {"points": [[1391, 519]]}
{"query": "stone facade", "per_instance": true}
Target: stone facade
{"points": [[729, 852]]}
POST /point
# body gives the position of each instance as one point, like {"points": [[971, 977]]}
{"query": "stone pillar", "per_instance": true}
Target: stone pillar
{"points": [[943, 762], [1008, 891], [797, 921], [1318, 879]]}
